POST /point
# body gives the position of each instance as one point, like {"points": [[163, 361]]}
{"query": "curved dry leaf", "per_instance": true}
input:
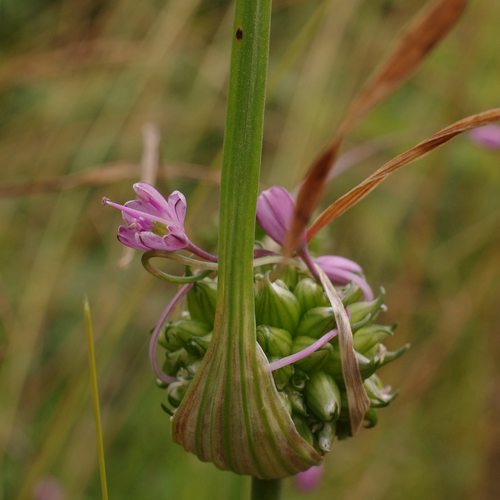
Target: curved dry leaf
{"points": [[428, 27], [356, 194], [357, 400]]}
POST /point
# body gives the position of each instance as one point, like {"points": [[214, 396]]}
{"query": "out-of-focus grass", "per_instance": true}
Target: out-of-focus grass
{"points": [[77, 83]]}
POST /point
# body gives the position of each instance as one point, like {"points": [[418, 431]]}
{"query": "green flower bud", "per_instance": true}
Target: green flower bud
{"points": [[201, 301], [368, 336], [299, 379], [351, 293], [192, 368], [274, 341], [310, 294], [174, 360], [326, 436], [177, 334], [323, 396], [276, 306], [314, 361], [168, 408], [286, 401], [333, 365], [303, 428], [371, 418], [169, 339], [384, 357], [282, 375], [359, 310], [297, 402], [290, 276], [175, 392], [199, 345], [379, 394], [316, 322]]}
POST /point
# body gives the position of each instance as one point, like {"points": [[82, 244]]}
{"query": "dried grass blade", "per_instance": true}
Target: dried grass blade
{"points": [[102, 175], [309, 196], [429, 26], [356, 194], [357, 399]]}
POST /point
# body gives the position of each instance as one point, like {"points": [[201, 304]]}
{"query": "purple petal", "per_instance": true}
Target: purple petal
{"points": [[275, 208], [340, 276], [335, 261], [309, 479], [175, 241], [177, 203], [487, 136], [129, 238], [136, 212], [151, 196], [168, 243]]}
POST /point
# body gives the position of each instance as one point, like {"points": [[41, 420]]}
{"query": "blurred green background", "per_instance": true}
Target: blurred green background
{"points": [[80, 79]]}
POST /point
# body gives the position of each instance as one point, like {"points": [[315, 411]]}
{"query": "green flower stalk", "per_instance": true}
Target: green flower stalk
{"points": [[221, 419]]}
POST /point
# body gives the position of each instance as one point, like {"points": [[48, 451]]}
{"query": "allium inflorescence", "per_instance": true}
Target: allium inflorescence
{"points": [[296, 322], [292, 313]]}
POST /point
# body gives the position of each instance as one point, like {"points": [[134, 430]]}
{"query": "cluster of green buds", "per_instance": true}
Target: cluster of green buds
{"points": [[309, 358], [292, 313]]}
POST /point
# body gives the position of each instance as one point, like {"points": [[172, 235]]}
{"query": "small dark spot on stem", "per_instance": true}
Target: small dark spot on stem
{"points": [[239, 34]]}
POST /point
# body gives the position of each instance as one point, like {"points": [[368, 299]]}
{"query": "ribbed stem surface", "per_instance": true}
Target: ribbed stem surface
{"points": [[232, 414]]}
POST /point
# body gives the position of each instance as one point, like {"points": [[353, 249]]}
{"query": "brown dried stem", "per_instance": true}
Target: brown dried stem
{"points": [[421, 149], [428, 27]]}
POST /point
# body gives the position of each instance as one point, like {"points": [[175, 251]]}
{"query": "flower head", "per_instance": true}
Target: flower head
{"points": [[151, 221], [487, 136]]}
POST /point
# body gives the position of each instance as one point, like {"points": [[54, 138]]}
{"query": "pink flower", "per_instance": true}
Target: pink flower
{"points": [[342, 271], [309, 479], [275, 207], [151, 221], [487, 136]]}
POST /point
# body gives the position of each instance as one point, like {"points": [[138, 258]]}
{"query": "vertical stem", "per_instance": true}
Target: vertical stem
{"points": [[242, 151], [232, 414], [266, 490], [240, 182]]}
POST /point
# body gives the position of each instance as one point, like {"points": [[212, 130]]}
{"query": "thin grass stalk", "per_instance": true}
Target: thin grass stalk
{"points": [[95, 398]]}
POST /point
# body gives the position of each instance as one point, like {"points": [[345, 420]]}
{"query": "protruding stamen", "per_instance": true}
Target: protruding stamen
{"points": [[138, 214], [293, 358], [153, 358]]}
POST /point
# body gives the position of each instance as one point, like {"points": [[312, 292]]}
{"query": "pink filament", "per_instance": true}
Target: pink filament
{"points": [[153, 358], [293, 358]]}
